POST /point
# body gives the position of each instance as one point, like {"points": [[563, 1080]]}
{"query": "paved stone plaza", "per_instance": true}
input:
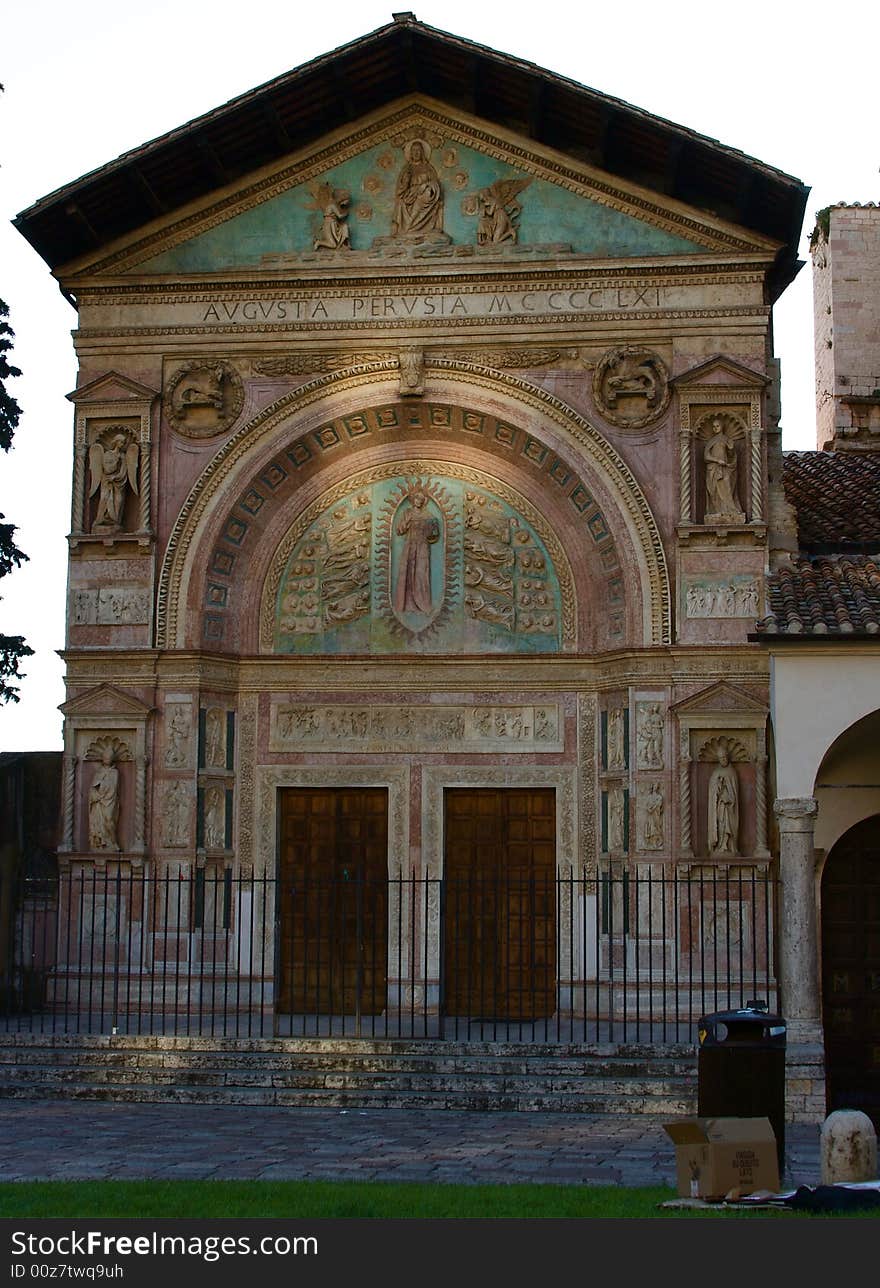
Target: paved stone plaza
{"points": [[57, 1141]]}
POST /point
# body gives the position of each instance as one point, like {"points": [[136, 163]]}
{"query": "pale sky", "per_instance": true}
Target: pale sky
{"points": [[793, 84]]}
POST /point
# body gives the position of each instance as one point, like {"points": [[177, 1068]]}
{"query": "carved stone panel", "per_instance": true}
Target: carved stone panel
{"points": [[110, 606], [177, 812], [338, 727], [650, 735], [178, 735], [431, 562], [203, 398], [631, 387], [650, 812]]}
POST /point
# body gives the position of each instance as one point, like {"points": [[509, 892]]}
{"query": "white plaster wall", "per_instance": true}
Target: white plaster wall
{"points": [[814, 696]]}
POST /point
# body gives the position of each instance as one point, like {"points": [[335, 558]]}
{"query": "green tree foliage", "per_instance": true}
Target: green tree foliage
{"points": [[12, 647]]}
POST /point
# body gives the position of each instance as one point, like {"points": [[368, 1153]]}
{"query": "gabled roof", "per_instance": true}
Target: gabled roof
{"points": [[409, 57]]}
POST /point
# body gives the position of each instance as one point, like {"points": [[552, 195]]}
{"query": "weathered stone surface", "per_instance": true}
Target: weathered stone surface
{"points": [[848, 1145]]}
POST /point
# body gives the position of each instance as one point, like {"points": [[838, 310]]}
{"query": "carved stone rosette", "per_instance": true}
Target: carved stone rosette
{"points": [[203, 398], [631, 387]]}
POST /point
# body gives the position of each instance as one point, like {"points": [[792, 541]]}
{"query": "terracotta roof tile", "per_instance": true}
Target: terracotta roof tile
{"points": [[837, 499], [836, 594]]}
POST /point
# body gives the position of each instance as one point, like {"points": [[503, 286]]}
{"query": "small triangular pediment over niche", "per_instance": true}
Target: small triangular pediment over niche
{"points": [[719, 698], [105, 700], [721, 370], [114, 388], [416, 184]]}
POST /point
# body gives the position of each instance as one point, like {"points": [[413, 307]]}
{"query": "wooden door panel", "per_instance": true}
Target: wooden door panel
{"points": [[499, 929], [333, 914]]}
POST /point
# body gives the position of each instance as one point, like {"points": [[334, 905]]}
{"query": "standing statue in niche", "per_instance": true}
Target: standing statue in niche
{"points": [[723, 807], [104, 803], [419, 530], [113, 462], [215, 737], [616, 747], [653, 833], [719, 456], [418, 195]]}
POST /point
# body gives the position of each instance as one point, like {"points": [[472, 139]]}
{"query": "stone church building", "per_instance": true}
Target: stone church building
{"points": [[427, 481]]}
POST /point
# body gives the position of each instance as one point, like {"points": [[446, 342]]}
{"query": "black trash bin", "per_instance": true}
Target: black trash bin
{"points": [[741, 1068]]}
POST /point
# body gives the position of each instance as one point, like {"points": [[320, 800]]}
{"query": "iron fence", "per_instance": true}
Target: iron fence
{"points": [[608, 954]]}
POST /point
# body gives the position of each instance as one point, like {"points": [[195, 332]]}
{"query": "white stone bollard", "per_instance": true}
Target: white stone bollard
{"points": [[848, 1145]]}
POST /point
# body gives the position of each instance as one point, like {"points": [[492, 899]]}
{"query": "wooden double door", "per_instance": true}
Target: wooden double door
{"points": [[851, 970], [333, 901], [499, 903]]}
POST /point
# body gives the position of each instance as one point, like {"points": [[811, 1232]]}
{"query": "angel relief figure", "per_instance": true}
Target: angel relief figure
{"points": [[113, 463], [333, 203], [499, 209]]}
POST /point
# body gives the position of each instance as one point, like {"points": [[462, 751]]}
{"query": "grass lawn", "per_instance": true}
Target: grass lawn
{"points": [[230, 1200]]}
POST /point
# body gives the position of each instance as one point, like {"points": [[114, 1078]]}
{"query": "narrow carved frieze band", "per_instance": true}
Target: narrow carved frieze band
{"points": [[336, 728]]}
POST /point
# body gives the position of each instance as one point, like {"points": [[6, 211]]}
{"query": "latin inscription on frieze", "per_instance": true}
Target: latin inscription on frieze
{"points": [[415, 728], [484, 304]]}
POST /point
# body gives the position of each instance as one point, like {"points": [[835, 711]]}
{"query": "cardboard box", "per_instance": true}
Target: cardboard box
{"points": [[714, 1156]]}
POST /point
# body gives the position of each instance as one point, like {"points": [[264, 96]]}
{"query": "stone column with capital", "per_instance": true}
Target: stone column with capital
{"points": [[799, 946]]}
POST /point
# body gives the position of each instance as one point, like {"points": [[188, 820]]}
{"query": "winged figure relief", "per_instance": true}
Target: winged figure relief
{"points": [[499, 209], [333, 203], [113, 465]]}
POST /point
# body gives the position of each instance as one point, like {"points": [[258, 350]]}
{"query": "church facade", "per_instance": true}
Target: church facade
{"points": [[426, 476]]}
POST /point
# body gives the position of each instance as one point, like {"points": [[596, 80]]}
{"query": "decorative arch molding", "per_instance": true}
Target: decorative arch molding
{"points": [[233, 467]]}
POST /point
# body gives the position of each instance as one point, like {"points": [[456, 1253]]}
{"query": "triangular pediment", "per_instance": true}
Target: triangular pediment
{"points": [[88, 221], [485, 197], [105, 700], [720, 698], [114, 388], [720, 370]]}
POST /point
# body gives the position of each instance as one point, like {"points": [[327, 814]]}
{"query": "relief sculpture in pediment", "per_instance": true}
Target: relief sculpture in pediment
{"points": [[333, 205], [499, 211]]}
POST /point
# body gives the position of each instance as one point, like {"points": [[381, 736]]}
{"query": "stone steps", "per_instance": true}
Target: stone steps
{"points": [[349, 1073]]}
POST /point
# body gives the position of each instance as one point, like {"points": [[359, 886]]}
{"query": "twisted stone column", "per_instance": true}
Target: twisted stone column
{"points": [[69, 797], [799, 938], [757, 479], [684, 468]]}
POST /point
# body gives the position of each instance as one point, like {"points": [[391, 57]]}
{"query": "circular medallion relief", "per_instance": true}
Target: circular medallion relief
{"points": [[203, 398], [631, 387]]}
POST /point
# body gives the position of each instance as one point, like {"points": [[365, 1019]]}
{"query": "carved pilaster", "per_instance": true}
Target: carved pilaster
{"points": [[686, 844], [761, 850], [140, 798], [757, 479], [79, 482], [69, 797], [145, 484], [684, 469]]}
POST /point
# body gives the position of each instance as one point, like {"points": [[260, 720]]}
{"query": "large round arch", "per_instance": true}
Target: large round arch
{"points": [[237, 514]]}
